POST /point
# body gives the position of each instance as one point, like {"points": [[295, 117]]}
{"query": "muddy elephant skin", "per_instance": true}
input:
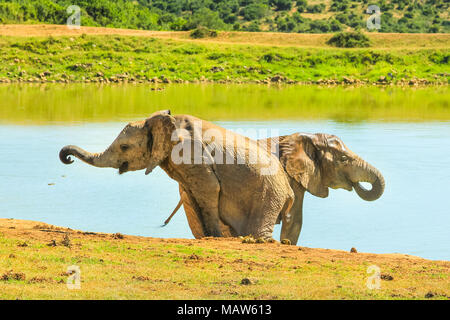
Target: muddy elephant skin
{"points": [[238, 198]]}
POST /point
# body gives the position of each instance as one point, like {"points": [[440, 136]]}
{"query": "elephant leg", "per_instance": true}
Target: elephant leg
{"points": [[192, 214], [260, 224], [194, 218], [203, 187], [292, 221]]}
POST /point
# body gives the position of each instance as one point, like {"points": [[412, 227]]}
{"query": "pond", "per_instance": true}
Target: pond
{"points": [[404, 132]]}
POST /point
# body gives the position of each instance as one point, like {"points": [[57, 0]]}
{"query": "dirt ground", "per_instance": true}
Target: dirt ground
{"points": [[34, 256]]}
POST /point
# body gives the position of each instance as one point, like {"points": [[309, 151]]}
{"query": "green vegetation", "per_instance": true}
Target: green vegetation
{"points": [[142, 59], [429, 16], [349, 40], [202, 32]]}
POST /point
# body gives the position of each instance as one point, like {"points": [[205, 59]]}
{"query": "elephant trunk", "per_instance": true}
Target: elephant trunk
{"points": [[95, 159], [369, 174]]}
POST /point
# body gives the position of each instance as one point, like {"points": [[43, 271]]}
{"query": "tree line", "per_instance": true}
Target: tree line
{"points": [[303, 16]]}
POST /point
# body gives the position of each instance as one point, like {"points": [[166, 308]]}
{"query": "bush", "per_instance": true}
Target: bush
{"points": [[254, 11], [281, 5], [315, 8], [319, 26], [202, 32], [349, 40], [301, 5]]}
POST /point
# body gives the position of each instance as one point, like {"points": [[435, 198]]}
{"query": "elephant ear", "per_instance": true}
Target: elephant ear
{"points": [[301, 159], [160, 127]]}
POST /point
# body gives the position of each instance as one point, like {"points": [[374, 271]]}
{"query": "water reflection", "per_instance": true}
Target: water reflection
{"points": [[52, 103]]}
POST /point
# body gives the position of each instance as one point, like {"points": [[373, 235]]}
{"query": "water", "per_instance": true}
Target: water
{"points": [[411, 217]]}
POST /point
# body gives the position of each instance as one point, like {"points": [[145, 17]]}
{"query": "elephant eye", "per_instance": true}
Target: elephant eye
{"points": [[124, 147], [344, 158]]}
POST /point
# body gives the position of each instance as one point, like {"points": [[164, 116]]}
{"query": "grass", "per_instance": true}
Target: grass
{"points": [[149, 268], [119, 58]]}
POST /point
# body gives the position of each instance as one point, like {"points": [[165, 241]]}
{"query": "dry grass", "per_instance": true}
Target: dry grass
{"points": [[379, 40], [147, 268]]}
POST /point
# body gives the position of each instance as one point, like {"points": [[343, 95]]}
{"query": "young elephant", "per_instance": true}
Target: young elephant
{"points": [[314, 163], [234, 197]]}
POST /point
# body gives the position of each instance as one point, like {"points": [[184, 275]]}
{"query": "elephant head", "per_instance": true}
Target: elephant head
{"points": [[140, 145], [322, 161]]}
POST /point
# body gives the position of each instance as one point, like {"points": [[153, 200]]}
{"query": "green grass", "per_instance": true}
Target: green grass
{"points": [[107, 58]]}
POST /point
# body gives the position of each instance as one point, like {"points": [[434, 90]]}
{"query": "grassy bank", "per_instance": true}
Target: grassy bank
{"points": [[121, 58], [35, 257]]}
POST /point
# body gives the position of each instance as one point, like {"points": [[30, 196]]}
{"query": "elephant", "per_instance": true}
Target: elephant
{"points": [[238, 197], [313, 163]]}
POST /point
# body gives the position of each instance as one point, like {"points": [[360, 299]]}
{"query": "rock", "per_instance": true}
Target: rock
{"points": [[52, 243], [216, 69], [277, 78], [66, 240], [348, 80], [247, 281], [10, 275], [429, 295], [23, 244], [260, 240], [353, 250], [286, 241], [387, 277], [248, 239], [118, 236]]}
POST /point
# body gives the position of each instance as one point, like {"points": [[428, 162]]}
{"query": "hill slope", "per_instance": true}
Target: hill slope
{"points": [[305, 16], [99, 55]]}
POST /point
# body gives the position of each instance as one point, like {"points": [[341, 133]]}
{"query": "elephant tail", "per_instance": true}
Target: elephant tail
{"points": [[173, 212]]}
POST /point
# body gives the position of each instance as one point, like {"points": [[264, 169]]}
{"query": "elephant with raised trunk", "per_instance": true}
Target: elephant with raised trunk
{"points": [[238, 198], [313, 163]]}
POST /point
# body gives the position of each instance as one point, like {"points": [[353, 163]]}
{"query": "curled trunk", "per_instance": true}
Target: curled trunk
{"points": [[371, 175], [95, 159]]}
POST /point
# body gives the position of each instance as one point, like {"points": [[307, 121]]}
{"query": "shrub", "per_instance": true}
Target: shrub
{"points": [[254, 11], [301, 5], [319, 26], [315, 8], [202, 32], [281, 5], [253, 27], [349, 40]]}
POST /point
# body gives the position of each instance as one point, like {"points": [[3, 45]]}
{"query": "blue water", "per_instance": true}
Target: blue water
{"points": [[412, 216]]}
